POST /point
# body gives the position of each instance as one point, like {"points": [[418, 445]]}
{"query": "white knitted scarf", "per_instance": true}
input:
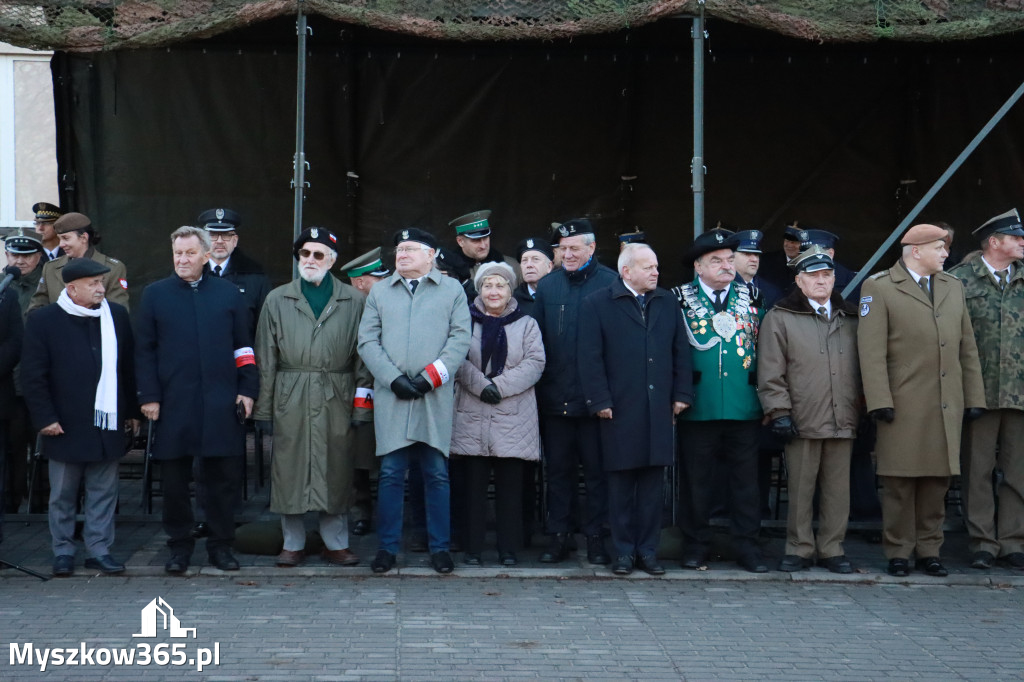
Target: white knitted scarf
{"points": [[105, 416]]}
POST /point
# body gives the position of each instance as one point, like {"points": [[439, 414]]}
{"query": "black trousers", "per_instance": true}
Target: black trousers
{"points": [[508, 501], [734, 444], [220, 495], [568, 443], [634, 510]]}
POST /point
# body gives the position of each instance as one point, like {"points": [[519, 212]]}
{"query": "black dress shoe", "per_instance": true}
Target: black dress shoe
{"points": [[648, 563], [596, 553], [177, 564], [931, 566], [105, 563], [623, 565], [983, 560], [1014, 560], [361, 527], [442, 562], [223, 559], [472, 559], [753, 562], [383, 562], [837, 564], [558, 549], [200, 530], [63, 565], [694, 560], [899, 568], [792, 563], [508, 559]]}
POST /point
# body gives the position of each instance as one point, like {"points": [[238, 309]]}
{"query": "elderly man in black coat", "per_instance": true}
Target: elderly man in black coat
{"points": [[635, 369], [197, 381], [77, 376]]}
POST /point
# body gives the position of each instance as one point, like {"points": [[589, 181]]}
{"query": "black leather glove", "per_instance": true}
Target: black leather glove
{"points": [[885, 414], [422, 385], [355, 424], [491, 395], [784, 428], [972, 413], [266, 426], [405, 389]]}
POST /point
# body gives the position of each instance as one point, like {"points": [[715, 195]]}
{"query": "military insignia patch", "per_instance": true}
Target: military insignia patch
{"points": [[866, 299], [529, 243], [864, 309], [719, 238], [405, 234], [314, 233], [219, 213], [563, 230]]}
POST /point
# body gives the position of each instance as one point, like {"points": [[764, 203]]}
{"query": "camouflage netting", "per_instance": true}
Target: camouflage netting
{"points": [[90, 25]]}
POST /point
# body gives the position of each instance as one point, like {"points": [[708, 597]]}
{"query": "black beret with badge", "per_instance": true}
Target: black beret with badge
{"points": [[822, 238], [367, 264], [77, 268], [813, 259], [46, 212], [474, 225], [573, 228], [749, 241], [414, 234], [319, 235], [220, 220], [22, 243], [712, 240], [534, 244], [1004, 223]]}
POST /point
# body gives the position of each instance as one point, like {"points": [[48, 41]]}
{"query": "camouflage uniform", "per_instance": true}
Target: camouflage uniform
{"points": [[998, 320]]}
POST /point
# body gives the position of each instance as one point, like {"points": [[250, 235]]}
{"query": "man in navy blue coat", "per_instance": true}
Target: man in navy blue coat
{"points": [[634, 363], [197, 380], [77, 377]]}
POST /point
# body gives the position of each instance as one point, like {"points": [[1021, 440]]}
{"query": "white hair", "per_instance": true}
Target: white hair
{"points": [[186, 231], [627, 257]]}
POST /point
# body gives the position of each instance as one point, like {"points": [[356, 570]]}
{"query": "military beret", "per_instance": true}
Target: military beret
{"points": [[1004, 223], [22, 243], [822, 238], [367, 264], [69, 222], [77, 268], [473, 225], [319, 235], [414, 234], [46, 212], [500, 269], [749, 241], [812, 259], [923, 234], [792, 232], [534, 244], [637, 236], [712, 240], [220, 220], [573, 228]]}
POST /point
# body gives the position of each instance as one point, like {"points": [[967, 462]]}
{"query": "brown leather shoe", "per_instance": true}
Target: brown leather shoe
{"points": [[288, 558], [340, 557]]}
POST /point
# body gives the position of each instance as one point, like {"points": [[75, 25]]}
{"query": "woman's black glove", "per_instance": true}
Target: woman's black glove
{"points": [[491, 395]]}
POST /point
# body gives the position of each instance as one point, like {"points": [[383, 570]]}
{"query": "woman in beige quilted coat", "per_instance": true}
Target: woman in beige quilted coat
{"points": [[496, 424]]}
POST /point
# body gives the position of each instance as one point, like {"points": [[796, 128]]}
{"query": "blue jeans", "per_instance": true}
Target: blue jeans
{"points": [[391, 496]]}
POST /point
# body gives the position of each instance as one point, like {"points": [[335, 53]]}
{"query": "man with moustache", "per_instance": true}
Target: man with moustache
{"points": [[535, 257], [922, 378]]}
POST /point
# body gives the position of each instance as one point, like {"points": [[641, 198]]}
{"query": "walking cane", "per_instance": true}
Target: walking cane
{"points": [[147, 472]]}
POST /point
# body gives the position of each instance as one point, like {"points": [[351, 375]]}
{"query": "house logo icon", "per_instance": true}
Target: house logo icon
{"points": [[159, 615]]}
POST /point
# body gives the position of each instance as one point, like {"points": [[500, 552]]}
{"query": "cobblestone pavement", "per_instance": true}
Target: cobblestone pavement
{"points": [[439, 628]]}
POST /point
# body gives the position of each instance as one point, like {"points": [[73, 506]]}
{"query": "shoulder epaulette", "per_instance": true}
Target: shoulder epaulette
{"points": [[883, 273]]}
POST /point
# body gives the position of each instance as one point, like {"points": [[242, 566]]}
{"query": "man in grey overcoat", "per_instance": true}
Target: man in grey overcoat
{"points": [[313, 388], [414, 334]]}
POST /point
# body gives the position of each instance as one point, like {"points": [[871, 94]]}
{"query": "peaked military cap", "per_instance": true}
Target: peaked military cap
{"points": [[637, 236], [46, 212], [220, 220], [1004, 223], [77, 268], [712, 240], [822, 238], [414, 234], [69, 222], [812, 259], [572, 228], [22, 243], [749, 241], [367, 264], [320, 235], [534, 244], [792, 232], [474, 225]]}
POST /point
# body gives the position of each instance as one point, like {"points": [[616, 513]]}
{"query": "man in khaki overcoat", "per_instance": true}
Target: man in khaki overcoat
{"points": [[921, 374], [314, 388]]}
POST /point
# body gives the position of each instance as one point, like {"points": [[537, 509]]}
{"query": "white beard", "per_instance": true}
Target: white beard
{"points": [[313, 277]]}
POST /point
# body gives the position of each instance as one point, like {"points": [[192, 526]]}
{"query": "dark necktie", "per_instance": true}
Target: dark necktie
{"points": [[217, 269], [823, 312], [413, 283], [640, 300], [719, 302], [923, 283], [1003, 275]]}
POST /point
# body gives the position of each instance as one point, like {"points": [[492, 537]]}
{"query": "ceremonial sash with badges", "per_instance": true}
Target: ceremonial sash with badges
{"points": [[734, 325]]}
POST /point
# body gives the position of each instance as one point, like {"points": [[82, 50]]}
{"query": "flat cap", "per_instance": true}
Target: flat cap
{"points": [[220, 220], [415, 234], [69, 222], [46, 212], [712, 240], [367, 264], [1004, 223], [923, 234], [812, 259], [320, 235], [77, 268], [474, 225], [22, 243], [534, 244]]}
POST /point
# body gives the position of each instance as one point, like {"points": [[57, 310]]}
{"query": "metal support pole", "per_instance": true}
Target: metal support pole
{"points": [[697, 165], [953, 167], [299, 161]]}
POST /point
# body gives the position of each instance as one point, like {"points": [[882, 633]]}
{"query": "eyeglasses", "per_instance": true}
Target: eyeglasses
{"points": [[317, 255], [223, 237], [409, 249]]}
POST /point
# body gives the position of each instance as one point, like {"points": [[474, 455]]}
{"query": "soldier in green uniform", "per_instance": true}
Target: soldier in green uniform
{"points": [[724, 422], [994, 287], [25, 252]]}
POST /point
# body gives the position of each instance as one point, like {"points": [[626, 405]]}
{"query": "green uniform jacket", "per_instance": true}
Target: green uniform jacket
{"points": [[998, 321], [309, 373], [725, 374], [51, 284], [920, 359], [26, 287]]}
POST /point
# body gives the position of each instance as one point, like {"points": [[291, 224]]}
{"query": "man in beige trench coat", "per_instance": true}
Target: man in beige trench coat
{"points": [[313, 387], [919, 364]]}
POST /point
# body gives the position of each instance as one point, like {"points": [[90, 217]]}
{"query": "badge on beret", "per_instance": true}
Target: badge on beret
{"points": [[529, 243], [405, 234], [314, 233], [864, 309], [219, 213], [563, 230]]}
